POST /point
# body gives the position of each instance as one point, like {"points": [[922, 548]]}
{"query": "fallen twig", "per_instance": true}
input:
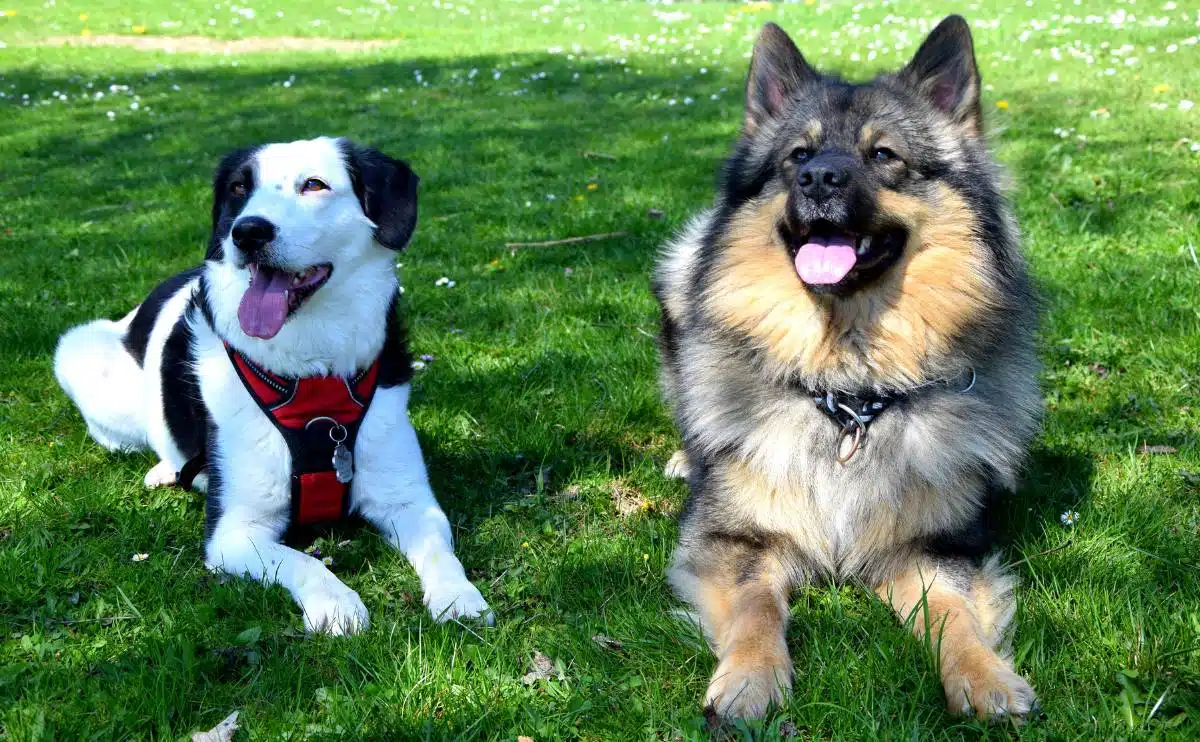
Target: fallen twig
{"points": [[567, 241], [600, 155]]}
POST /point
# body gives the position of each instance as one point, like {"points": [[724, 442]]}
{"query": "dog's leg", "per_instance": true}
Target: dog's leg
{"points": [[740, 591], [243, 543], [422, 533], [105, 382], [391, 489], [965, 612]]}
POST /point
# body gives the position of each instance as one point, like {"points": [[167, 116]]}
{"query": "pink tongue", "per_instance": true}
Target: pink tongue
{"points": [[826, 260], [264, 306]]}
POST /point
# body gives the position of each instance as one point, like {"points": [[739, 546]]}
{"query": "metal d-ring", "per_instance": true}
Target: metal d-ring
{"points": [[860, 427], [854, 446], [337, 428], [862, 424]]}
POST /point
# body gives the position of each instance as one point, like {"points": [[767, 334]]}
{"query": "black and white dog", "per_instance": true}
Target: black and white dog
{"points": [[280, 365]]}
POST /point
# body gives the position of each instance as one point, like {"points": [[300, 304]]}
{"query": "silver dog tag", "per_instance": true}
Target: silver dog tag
{"points": [[343, 463]]}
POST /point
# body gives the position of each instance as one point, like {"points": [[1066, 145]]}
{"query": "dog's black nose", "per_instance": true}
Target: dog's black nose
{"points": [[822, 177], [252, 233]]}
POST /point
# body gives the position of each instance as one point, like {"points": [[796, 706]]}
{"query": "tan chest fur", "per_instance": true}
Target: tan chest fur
{"points": [[839, 529]]}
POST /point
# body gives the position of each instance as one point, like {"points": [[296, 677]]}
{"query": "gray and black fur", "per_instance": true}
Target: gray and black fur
{"points": [[935, 321]]}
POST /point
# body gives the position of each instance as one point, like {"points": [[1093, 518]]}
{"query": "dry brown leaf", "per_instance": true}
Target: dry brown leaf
{"points": [[1157, 449], [570, 493], [628, 500], [608, 642], [523, 738], [222, 732], [540, 668]]}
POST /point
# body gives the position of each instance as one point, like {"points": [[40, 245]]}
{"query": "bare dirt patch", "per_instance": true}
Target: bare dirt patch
{"points": [[205, 45]]}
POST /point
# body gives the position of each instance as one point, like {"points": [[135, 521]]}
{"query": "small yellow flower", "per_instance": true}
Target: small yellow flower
{"points": [[1002, 105], [83, 16], [579, 198], [86, 32], [592, 186], [810, 2], [525, 545], [645, 557], [1161, 88], [7, 13], [139, 29]]}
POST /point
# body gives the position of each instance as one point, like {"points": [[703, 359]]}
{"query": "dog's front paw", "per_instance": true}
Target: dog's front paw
{"points": [[162, 475], [459, 600], [987, 687], [678, 467], [746, 691], [334, 609]]}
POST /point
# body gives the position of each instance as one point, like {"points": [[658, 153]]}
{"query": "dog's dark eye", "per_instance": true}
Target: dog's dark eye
{"points": [[802, 154], [237, 189], [314, 184], [882, 154]]}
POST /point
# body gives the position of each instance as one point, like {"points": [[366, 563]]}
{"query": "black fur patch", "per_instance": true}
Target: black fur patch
{"points": [[386, 190], [235, 170], [978, 538], [216, 485], [395, 362], [183, 408], [138, 334]]}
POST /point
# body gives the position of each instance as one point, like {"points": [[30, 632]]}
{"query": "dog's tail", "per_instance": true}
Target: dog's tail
{"points": [[105, 382]]}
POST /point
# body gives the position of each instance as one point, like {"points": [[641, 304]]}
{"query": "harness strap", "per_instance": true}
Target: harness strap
{"points": [[315, 415]]}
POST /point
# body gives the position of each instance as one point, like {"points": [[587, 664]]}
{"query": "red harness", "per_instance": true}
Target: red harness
{"points": [[316, 415]]}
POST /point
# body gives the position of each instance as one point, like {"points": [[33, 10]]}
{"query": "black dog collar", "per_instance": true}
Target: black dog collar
{"points": [[854, 413]]}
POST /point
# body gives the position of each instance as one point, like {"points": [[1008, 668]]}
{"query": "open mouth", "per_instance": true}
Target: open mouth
{"points": [[830, 259], [274, 294]]}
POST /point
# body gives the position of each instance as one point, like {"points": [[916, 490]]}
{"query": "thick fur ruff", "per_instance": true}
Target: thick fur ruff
{"points": [[162, 379], [944, 322]]}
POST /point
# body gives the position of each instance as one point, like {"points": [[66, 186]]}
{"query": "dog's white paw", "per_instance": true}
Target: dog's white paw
{"points": [[162, 475], [678, 467], [334, 609], [458, 601]]}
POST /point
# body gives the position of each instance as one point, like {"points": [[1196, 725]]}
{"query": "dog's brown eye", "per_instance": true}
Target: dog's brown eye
{"points": [[314, 184], [802, 154], [237, 189], [882, 154]]}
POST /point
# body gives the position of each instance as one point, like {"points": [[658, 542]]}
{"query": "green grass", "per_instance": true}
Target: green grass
{"points": [[542, 401]]}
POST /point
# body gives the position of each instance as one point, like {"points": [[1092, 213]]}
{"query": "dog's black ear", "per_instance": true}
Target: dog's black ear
{"points": [[944, 73], [386, 190], [777, 71], [236, 163]]}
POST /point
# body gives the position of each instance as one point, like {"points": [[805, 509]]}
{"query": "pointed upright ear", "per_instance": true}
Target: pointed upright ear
{"points": [[777, 71], [387, 191], [944, 73]]}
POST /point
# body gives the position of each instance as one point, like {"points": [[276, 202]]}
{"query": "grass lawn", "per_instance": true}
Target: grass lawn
{"points": [[539, 413]]}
